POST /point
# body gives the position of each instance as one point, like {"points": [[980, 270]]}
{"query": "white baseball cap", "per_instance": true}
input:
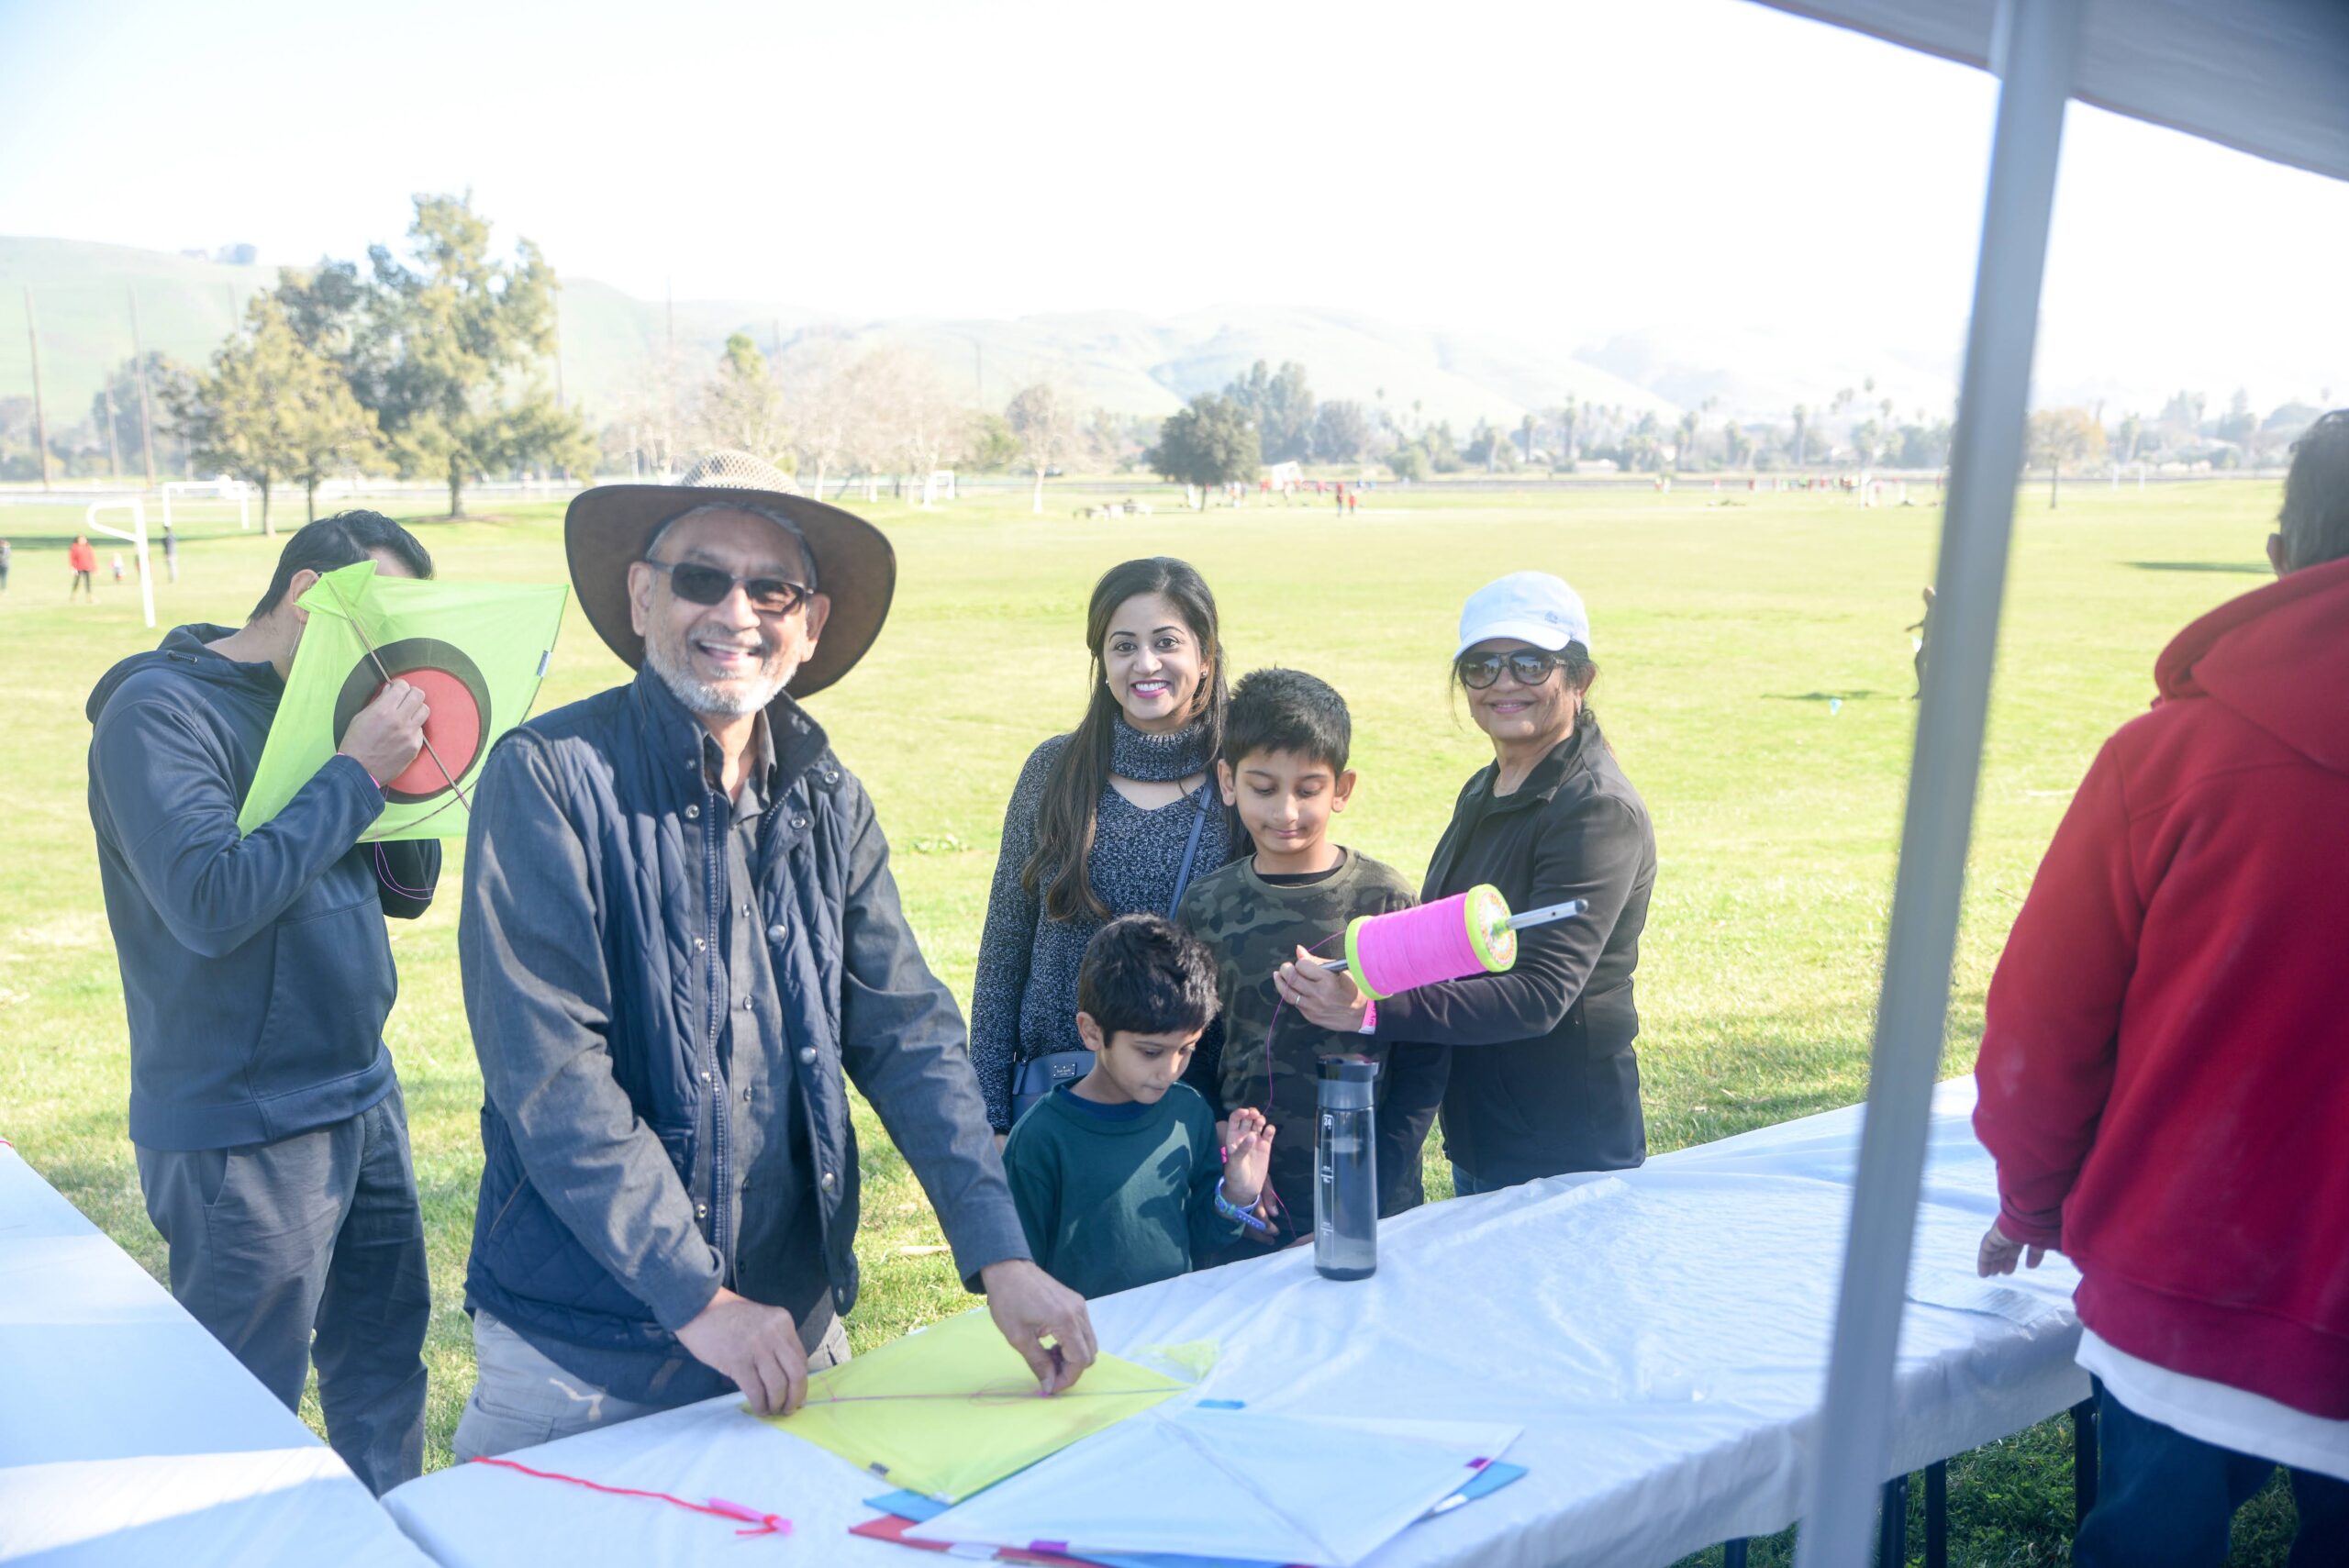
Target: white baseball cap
{"points": [[1531, 606]]}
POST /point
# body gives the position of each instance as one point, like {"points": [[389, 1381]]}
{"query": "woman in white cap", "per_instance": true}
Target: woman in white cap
{"points": [[1545, 1080]]}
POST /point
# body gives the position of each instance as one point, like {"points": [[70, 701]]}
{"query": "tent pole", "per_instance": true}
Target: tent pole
{"points": [[2032, 53]]}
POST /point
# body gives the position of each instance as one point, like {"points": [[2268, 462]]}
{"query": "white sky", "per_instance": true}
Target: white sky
{"points": [[1563, 167]]}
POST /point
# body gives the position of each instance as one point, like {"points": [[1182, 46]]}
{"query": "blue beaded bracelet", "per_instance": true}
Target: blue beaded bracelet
{"points": [[1229, 1210]]}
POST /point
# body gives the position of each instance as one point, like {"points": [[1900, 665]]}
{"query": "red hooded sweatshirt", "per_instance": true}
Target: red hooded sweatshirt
{"points": [[2164, 1066]]}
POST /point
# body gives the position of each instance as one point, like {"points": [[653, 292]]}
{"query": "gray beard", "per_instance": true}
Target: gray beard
{"points": [[700, 698]]}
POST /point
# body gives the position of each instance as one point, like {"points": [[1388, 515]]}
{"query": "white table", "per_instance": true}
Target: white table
{"points": [[128, 1436], [1660, 1336]]}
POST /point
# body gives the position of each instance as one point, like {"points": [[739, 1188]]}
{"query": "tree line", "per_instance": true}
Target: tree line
{"points": [[433, 363]]}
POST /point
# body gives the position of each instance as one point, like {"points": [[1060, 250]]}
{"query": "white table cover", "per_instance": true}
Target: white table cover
{"points": [[127, 1436], [1659, 1335]]}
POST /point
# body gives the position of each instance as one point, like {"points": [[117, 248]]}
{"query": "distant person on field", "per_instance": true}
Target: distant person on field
{"points": [[1285, 770], [7, 552], [2164, 1068], [171, 553], [1118, 1175], [118, 566], [1923, 627], [83, 561], [271, 1135]]}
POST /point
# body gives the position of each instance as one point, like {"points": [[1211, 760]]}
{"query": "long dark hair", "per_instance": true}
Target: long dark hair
{"points": [[1064, 817]]}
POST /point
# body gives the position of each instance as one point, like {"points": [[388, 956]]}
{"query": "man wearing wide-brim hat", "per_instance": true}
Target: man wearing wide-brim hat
{"points": [[681, 941]]}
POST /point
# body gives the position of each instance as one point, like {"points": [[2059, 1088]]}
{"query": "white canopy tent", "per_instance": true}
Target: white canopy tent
{"points": [[2270, 77]]}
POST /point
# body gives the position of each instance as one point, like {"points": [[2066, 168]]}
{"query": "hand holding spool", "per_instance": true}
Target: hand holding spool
{"points": [[1469, 933]]}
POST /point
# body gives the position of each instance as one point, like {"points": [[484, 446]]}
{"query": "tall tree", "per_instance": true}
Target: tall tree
{"points": [[2060, 435], [1341, 431], [1209, 442], [1045, 426], [1281, 406], [742, 406], [453, 346], [268, 410], [820, 398]]}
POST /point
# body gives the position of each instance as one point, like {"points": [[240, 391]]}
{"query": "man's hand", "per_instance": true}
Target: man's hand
{"points": [[1028, 1306], [754, 1344], [1327, 997], [1999, 1252], [1247, 1152], [388, 732]]}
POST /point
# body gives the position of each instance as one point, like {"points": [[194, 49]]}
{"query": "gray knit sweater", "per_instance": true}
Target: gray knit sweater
{"points": [[1023, 1000]]}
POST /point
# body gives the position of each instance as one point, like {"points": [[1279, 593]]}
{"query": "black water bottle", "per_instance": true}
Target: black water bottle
{"points": [[1345, 1181]]}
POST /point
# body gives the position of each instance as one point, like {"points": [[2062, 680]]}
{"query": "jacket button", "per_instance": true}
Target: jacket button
{"points": [[808, 1056], [699, 944], [777, 931], [746, 1094], [826, 1182], [691, 812], [800, 822], [705, 1077], [746, 1004], [701, 1211]]}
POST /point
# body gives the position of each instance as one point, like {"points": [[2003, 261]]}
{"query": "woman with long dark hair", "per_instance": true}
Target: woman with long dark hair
{"points": [[1114, 818], [1543, 1079]]}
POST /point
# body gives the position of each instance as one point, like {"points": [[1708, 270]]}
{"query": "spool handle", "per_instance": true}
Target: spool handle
{"points": [[1541, 916]]}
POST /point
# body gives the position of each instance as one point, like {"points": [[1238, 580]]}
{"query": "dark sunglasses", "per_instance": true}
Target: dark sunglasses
{"points": [[708, 585], [1531, 666]]}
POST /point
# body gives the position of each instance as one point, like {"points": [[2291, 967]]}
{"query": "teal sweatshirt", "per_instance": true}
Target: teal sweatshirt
{"points": [[1115, 1196]]}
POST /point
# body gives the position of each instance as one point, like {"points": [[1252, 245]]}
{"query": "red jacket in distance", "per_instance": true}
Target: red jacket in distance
{"points": [[2164, 1066], [79, 557]]}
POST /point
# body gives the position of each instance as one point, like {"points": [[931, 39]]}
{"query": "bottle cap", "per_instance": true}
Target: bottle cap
{"points": [[1349, 1068]]}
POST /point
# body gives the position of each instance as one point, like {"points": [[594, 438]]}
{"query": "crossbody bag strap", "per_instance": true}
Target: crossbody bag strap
{"points": [[1191, 848]]}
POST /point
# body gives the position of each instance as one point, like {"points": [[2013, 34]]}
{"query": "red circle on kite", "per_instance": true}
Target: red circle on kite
{"points": [[451, 731]]}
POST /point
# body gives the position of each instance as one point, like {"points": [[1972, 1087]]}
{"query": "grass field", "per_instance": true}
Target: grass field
{"points": [[1754, 683]]}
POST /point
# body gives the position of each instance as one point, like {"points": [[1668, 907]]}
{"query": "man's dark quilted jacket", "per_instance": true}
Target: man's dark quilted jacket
{"points": [[593, 866]]}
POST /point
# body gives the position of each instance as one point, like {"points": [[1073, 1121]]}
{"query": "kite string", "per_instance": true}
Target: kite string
{"points": [[377, 659], [995, 1396], [762, 1523]]}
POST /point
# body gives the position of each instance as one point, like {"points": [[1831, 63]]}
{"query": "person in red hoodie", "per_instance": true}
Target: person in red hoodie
{"points": [[2164, 1076]]}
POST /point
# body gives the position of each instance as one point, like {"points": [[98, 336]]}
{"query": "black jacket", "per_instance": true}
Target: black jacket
{"points": [[593, 876], [255, 967], [1550, 1083]]}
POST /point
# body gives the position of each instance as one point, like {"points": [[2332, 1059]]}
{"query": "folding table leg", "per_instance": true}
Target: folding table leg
{"points": [[1892, 1541], [1937, 1515], [1733, 1553], [2083, 1458]]}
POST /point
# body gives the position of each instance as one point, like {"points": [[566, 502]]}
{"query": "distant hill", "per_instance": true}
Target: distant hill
{"points": [[612, 343]]}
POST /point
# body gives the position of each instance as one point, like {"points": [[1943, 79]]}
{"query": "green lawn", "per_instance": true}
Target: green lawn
{"points": [[1724, 624]]}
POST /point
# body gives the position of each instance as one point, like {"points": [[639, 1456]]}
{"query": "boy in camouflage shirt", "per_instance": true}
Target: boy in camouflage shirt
{"points": [[1284, 770]]}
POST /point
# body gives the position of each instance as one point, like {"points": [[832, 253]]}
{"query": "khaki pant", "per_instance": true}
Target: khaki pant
{"points": [[522, 1399]]}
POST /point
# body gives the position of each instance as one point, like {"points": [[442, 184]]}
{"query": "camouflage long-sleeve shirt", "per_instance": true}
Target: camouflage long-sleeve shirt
{"points": [[1271, 1055]]}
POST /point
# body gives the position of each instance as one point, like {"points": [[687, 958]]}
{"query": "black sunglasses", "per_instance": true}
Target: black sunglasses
{"points": [[1531, 666], [708, 585]]}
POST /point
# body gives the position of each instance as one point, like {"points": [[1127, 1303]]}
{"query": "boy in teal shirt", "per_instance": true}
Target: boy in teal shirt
{"points": [[1284, 769], [1118, 1177]]}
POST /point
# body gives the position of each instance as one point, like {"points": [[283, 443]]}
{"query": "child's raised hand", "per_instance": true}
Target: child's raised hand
{"points": [[1247, 1152]]}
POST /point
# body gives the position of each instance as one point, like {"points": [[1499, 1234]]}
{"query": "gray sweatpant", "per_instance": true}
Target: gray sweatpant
{"points": [[317, 1233]]}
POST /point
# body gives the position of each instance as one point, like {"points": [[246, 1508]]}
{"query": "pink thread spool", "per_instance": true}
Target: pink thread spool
{"points": [[1468, 933]]}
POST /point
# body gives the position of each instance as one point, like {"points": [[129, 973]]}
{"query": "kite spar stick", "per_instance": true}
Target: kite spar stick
{"points": [[377, 659]]}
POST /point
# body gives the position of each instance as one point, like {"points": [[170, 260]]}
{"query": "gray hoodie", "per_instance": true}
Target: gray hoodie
{"points": [[255, 969]]}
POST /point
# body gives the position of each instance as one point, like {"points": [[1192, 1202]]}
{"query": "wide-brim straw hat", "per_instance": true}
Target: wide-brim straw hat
{"points": [[609, 527]]}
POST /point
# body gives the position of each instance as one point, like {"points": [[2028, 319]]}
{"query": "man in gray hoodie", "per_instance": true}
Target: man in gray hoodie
{"points": [[272, 1141]]}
